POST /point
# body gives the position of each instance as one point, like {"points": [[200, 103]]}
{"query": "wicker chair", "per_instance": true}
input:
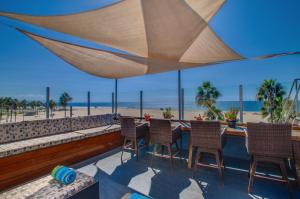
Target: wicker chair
{"points": [[162, 133], [133, 134], [268, 143], [207, 136]]}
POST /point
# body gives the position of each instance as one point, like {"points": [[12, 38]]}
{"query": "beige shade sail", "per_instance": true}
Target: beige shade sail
{"points": [[163, 30], [109, 64]]}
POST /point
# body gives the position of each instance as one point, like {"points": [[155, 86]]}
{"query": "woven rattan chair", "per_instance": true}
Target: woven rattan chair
{"points": [[207, 136], [133, 134], [268, 143], [162, 133]]}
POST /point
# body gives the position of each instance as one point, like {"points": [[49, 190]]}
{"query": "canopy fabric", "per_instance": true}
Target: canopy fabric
{"points": [[156, 29], [159, 36], [104, 63]]}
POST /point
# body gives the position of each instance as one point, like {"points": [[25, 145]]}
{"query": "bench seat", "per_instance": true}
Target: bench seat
{"points": [[47, 187], [22, 146], [99, 130]]}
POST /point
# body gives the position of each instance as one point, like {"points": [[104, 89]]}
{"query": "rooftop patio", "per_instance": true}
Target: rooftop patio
{"points": [[160, 181], [143, 37]]}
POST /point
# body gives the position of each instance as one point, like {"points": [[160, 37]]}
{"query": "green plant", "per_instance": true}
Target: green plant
{"points": [[167, 113], [64, 99], [232, 114], [206, 96], [271, 94], [52, 105]]}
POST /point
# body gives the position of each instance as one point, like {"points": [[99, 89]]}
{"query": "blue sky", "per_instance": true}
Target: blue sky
{"points": [[251, 27]]}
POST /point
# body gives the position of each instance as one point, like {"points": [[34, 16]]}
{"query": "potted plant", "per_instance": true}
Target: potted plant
{"points": [[167, 113], [231, 117], [147, 117], [198, 117]]}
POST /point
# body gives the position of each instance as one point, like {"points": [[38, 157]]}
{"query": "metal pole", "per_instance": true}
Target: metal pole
{"points": [[141, 104], [47, 101], [112, 102], [182, 103], [297, 98], [116, 96], [241, 104], [89, 103], [179, 95], [71, 111]]}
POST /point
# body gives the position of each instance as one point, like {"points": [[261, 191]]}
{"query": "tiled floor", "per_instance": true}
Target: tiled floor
{"points": [[116, 179]]}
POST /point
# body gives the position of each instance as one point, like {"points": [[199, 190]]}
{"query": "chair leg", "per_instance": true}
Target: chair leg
{"points": [[222, 158], [178, 149], [284, 174], [124, 144], [153, 154], [252, 173], [218, 160], [162, 150], [181, 147], [171, 154], [250, 165], [197, 159], [136, 149]]}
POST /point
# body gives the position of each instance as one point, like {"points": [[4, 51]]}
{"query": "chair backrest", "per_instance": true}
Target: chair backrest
{"points": [[269, 139], [160, 131], [128, 128], [206, 134]]}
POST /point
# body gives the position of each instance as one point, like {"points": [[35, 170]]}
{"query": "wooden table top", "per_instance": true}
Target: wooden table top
{"points": [[239, 131]]}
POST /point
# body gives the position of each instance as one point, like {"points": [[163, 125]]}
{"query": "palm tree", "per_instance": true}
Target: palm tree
{"points": [[271, 94], [206, 96], [23, 104], [52, 105], [8, 103], [15, 105], [63, 100]]}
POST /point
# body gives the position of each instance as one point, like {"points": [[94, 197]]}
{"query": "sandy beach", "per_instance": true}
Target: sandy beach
{"points": [[155, 113]]}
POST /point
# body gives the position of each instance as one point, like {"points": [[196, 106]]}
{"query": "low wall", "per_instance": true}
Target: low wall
{"points": [[26, 166]]}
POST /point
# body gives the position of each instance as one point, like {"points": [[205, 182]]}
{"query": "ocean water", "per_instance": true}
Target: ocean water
{"points": [[252, 106]]}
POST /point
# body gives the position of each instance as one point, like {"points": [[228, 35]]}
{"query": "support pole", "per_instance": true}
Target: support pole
{"points": [[47, 101], [116, 96], [182, 103], [179, 94], [71, 111], [113, 102], [141, 104], [241, 103], [297, 97], [89, 103]]}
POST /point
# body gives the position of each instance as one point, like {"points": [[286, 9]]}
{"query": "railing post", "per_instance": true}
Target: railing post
{"points": [[112, 102], [116, 96], [241, 103], [71, 111], [89, 103], [141, 104], [179, 94], [297, 97], [47, 101], [182, 103]]}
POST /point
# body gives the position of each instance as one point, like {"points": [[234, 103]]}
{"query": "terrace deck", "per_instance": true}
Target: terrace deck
{"points": [[117, 179]]}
